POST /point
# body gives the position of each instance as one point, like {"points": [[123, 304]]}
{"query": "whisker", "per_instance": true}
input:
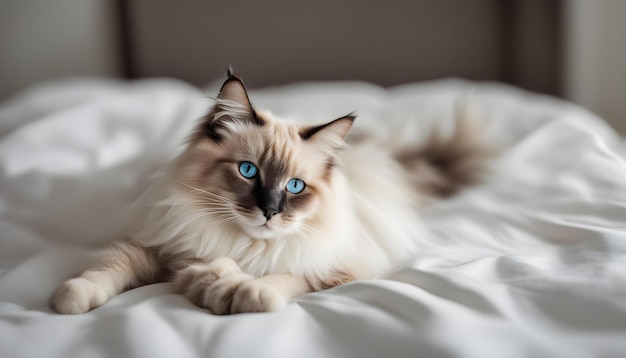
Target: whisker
{"points": [[203, 200], [217, 198], [210, 200], [225, 220], [217, 220], [206, 206], [196, 214], [216, 203], [310, 229], [212, 211], [214, 196], [209, 210]]}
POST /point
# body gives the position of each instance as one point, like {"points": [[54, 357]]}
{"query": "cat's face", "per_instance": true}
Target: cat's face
{"points": [[263, 176]]}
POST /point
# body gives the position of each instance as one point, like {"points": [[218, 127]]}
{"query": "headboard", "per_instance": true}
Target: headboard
{"points": [[384, 42]]}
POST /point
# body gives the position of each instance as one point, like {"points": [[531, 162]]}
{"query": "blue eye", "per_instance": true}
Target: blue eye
{"points": [[248, 170], [295, 186]]}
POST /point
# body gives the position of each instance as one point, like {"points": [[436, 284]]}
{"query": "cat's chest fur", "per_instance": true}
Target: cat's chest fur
{"points": [[367, 222]]}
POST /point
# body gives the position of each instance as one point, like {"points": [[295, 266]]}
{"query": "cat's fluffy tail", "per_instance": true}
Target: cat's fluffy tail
{"points": [[445, 164]]}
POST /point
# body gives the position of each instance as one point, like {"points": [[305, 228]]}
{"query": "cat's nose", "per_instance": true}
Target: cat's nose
{"points": [[268, 212], [270, 201]]}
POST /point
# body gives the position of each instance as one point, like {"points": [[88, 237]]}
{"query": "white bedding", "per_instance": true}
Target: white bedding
{"points": [[532, 263]]}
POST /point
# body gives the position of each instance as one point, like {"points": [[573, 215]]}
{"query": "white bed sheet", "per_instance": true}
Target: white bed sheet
{"points": [[532, 263]]}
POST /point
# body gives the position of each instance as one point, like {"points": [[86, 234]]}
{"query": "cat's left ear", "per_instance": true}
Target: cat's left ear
{"points": [[331, 134], [233, 94], [232, 111]]}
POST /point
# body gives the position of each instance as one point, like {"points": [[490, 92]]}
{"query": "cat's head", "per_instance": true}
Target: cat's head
{"points": [[263, 176]]}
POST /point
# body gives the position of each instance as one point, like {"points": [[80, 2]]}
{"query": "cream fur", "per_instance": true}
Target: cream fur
{"points": [[205, 228], [365, 222]]}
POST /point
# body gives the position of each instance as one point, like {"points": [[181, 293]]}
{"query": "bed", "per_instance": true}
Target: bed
{"points": [[530, 263]]}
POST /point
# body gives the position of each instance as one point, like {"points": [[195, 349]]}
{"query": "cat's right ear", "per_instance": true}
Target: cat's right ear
{"points": [[232, 110], [329, 135]]}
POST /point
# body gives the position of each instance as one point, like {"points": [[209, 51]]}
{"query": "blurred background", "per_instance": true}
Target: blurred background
{"points": [[574, 49]]}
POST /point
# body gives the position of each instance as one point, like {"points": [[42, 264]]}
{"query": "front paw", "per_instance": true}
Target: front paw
{"points": [[194, 279], [219, 296], [78, 295], [257, 296]]}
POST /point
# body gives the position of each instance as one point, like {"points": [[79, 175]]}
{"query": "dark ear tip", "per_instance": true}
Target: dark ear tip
{"points": [[351, 116], [231, 77], [230, 74]]}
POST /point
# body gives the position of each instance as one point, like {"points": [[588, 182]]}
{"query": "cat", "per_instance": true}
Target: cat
{"points": [[257, 211]]}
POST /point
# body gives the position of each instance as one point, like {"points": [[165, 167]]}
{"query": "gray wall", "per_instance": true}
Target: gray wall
{"points": [[278, 41], [384, 42], [595, 66], [271, 42], [46, 39]]}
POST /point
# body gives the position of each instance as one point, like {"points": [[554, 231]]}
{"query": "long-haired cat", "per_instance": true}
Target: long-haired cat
{"points": [[257, 211]]}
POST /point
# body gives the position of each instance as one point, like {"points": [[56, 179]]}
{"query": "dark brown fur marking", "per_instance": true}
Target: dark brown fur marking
{"points": [[444, 166]]}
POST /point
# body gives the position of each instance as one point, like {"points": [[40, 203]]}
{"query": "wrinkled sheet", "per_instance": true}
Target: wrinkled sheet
{"points": [[531, 263]]}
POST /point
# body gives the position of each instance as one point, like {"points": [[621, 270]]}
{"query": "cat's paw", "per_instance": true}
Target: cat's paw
{"points": [[78, 295], [219, 296], [257, 296], [205, 284], [194, 279]]}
